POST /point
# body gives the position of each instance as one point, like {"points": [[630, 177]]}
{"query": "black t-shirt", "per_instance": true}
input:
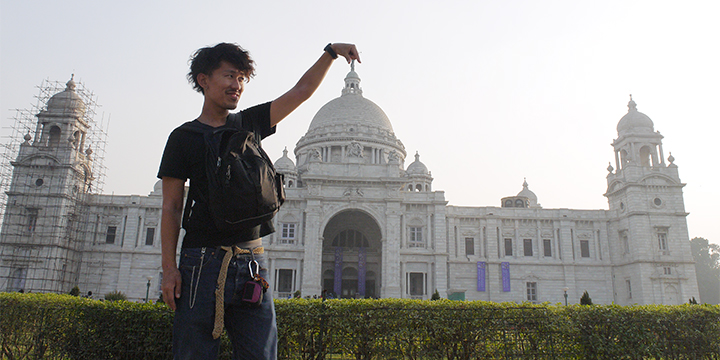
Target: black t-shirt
{"points": [[184, 158]]}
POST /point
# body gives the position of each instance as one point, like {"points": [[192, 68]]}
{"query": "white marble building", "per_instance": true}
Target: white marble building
{"points": [[357, 222]]}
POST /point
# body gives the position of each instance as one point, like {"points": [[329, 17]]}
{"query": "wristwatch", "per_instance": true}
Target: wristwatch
{"points": [[328, 48]]}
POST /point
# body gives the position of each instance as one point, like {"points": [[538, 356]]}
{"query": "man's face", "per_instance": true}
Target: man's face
{"points": [[223, 86]]}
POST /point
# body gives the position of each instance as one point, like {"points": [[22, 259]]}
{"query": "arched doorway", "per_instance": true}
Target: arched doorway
{"points": [[351, 259]]}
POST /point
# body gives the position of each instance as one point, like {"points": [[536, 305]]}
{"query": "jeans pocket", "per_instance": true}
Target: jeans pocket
{"points": [[195, 258]]}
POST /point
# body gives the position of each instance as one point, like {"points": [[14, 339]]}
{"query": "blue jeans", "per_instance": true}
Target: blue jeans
{"points": [[252, 330]]}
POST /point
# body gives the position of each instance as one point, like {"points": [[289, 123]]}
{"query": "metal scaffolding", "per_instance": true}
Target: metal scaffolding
{"points": [[43, 204]]}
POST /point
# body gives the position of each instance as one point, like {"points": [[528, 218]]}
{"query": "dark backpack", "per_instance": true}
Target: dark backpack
{"points": [[243, 188]]}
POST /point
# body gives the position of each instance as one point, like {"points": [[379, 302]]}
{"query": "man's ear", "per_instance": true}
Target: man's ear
{"points": [[202, 80]]}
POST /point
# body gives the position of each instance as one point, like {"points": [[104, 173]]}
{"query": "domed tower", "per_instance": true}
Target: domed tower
{"points": [[41, 237], [419, 178], [524, 199], [287, 167], [648, 218]]}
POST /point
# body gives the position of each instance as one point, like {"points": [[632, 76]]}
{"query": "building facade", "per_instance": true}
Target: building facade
{"points": [[358, 223]]}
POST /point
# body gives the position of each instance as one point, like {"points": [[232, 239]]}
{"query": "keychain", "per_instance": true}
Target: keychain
{"points": [[252, 293]]}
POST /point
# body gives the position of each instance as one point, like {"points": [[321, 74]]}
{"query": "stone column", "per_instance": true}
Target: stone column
{"points": [[391, 253], [312, 269]]}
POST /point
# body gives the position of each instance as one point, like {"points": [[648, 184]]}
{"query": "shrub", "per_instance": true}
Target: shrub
{"points": [[75, 291], [47, 326], [585, 299], [115, 296]]}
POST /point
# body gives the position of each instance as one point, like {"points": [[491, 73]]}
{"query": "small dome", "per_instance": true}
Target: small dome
{"points": [[525, 192], [66, 102], [284, 164], [158, 186], [634, 121], [157, 189], [417, 168]]}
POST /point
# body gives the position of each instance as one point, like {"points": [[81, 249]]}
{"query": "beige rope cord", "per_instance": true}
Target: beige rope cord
{"points": [[230, 251]]}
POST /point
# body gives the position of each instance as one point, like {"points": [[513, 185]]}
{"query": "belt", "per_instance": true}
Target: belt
{"points": [[241, 251], [230, 251]]}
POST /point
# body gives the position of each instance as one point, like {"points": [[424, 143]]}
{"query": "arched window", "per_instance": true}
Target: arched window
{"points": [[624, 160], [519, 203], [350, 239], [645, 156], [508, 203], [418, 187], [54, 136], [76, 139]]}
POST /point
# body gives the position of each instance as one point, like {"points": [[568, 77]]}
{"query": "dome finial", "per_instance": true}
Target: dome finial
{"points": [[632, 106], [525, 184], [352, 82], [70, 85]]}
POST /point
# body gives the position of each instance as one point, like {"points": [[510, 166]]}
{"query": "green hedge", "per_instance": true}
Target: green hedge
{"points": [[34, 326]]}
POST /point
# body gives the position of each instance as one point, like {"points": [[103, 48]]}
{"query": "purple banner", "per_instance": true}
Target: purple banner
{"points": [[505, 268], [337, 288], [480, 276], [361, 271]]}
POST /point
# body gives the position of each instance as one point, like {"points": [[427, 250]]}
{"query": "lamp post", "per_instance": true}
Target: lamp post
{"points": [[565, 290], [147, 292]]}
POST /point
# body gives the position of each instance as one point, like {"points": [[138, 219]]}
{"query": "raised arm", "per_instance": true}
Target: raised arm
{"points": [[309, 82]]}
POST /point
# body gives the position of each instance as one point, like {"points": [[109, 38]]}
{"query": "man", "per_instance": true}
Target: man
{"points": [[208, 256]]}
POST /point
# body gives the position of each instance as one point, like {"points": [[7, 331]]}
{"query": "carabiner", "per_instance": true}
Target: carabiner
{"points": [[257, 268]]}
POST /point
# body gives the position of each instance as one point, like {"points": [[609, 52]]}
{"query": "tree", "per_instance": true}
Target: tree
{"points": [[75, 291], [585, 299], [435, 295], [707, 269]]}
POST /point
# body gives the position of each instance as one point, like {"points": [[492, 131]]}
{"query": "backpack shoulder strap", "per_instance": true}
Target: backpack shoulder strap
{"points": [[193, 196], [235, 120]]}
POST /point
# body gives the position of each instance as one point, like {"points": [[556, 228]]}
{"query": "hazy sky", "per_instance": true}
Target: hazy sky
{"points": [[488, 92]]}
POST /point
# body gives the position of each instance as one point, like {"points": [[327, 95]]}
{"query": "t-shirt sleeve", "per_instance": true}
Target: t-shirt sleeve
{"points": [[257, 120], [173, 159]]}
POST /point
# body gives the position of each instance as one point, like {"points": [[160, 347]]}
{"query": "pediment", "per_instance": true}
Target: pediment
{"points": [[658, 181], [39, 160]]}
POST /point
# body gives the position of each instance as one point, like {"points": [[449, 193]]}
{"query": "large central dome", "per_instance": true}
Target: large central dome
{"points": [[351, 108], [350, 116], [350, 129]]}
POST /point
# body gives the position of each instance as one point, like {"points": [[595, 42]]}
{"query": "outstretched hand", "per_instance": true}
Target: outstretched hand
{"points": [[348, 51]]}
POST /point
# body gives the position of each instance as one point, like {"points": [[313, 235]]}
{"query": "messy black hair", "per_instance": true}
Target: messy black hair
{"points": [[207, 59]]}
